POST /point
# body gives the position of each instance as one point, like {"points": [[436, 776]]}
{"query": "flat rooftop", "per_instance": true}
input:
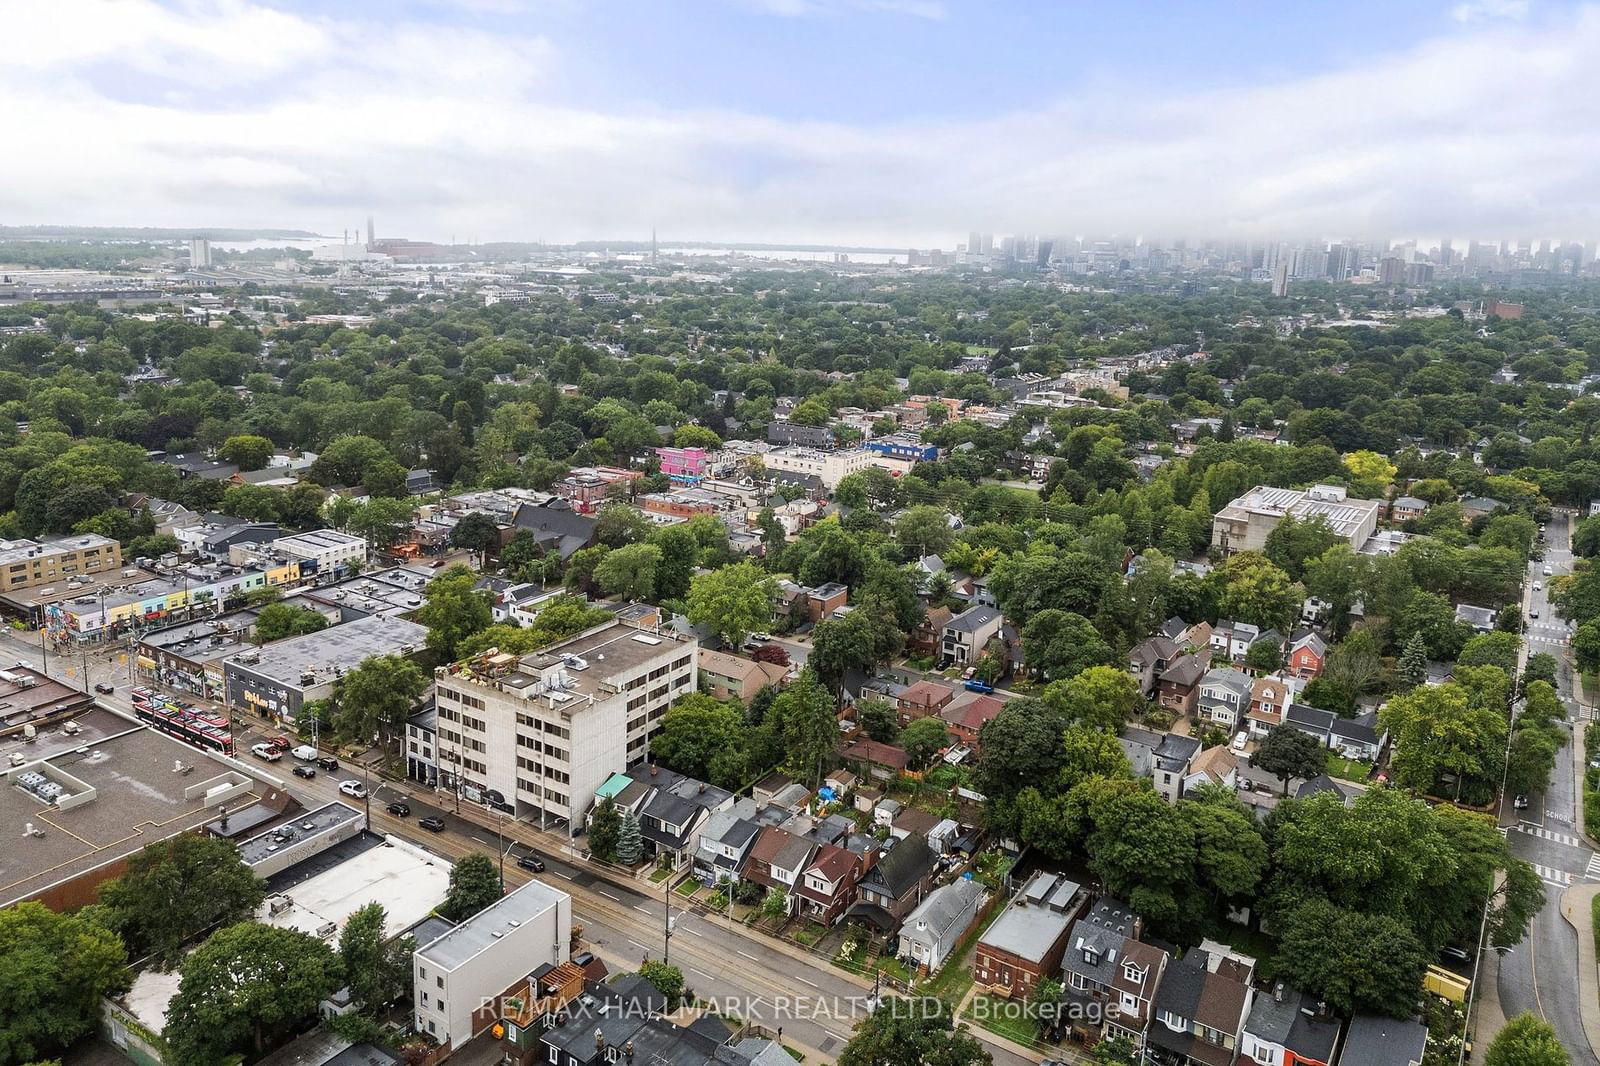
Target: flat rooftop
{"points": [[304, 824], [17, 551], [478, 932], [395, 590], [26, 696], [319, 539], [140, 800], [340, 647], [333, 885], [201, 641]]}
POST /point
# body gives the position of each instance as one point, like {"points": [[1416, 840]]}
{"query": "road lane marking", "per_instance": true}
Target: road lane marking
{"points": [[608, 895], [638, 945], [1551, 876], [1594, 867], [693, 930], [749, 956], [803, 981], [641, 908]]}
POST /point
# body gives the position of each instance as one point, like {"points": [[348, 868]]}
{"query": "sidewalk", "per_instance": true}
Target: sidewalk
{"points": [[1577, 908]]}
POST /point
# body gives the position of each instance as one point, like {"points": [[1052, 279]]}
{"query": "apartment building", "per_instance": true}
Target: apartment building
{"points": [[30, 563], [830, 467], [539, 734], [1245, 523]]}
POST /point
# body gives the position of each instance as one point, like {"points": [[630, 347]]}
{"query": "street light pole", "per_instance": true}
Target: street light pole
{"points": [[666, 901]]}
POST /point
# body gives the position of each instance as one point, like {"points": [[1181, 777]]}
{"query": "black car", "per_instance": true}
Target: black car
{"points": [[399, 808], [531, 862], [304, 771], [328, 762], [432, 824], [105, 689]]}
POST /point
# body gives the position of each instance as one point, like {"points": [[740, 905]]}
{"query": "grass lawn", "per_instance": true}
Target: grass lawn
{"points": [[661, 874], [1348, 769], [688, 887], [1252, 942], [1003, 1017], [955, 976], [809, 934], [979, 349]]}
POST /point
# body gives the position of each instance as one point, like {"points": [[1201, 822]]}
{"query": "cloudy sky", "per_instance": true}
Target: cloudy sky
{"points": [[887, 122]]}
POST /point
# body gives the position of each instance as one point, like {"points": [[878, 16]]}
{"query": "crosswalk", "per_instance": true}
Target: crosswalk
{"points": [[1593, 872], [1551, 876], [1550, 834]]}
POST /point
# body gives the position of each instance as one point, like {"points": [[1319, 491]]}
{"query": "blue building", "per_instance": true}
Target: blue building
{"points": [[904, 448]]}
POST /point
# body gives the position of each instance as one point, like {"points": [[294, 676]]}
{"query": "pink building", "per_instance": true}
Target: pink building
{"points": [[683, 462]]}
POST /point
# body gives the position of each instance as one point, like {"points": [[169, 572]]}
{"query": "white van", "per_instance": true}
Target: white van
{"points": [[305, 753]]}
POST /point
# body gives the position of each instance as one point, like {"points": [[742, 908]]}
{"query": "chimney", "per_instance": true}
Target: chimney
{"points": [[1138, 927], [627, 1050], [599, 1041], [1277, 992]]}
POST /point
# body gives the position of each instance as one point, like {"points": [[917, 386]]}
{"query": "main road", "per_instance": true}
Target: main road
{"points": [[1541, 973], [813, 1002]]}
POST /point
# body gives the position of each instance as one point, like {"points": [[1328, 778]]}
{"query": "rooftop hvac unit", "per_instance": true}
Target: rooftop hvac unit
{"points": [[326, 930], [71, 729], [278, 904]]}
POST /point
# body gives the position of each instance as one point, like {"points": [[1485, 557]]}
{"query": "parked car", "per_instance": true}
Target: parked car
{"points": [[1458, 954], [532, 862], [266, 752], [353, 789], [279, 744], [105, 689], [1549, 571], [1521, 802], [399, 808], [432, 824], [977, 686], [305, 753], [304, 771], [328, 762]]}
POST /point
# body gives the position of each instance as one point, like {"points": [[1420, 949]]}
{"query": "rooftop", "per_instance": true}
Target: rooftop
{"points": [[148, 787], [1034, 920], [333, 650], [328, 888], [16, 551], [481, 930], [583, 668]]}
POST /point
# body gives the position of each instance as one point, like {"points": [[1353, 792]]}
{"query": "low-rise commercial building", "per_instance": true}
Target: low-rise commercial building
{"points": [[276, 681], [1246, 522], [31, 563], [830, 467]]}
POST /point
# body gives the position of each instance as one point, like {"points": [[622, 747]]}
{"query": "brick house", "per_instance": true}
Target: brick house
{"points": [[1307, 655], [966, 719], [924, 640], [1179, 687], [1025, 944], [923, 699], [827, 885]]}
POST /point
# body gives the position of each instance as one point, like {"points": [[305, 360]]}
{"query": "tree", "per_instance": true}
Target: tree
{"points": [[1436, 730], [1255, 590], [382, 521], [1354, 961], [476, 532], [1101, 697], [1288, 753], [1530, 761], [1371, 468], [604, 828], [1058, 644], [1586, 645], [474, 885], [1541, 666], [879, 719], [1116, 1051], [619, 525], [704, 738], [668, 980], [734, 601], [1293, 543], [1413, 664], [679, 553], [629, 572], [855, 642], [175, 890], [775, 904], [802, 721], [455, 609], [377, 696], [895, 1034], [377, 971], [776, 654], [1527, 1040], [279, 620], [253, 503], [923, 530], [922, 740], [630, 842], [248, 452], [55, 968], [1491, 649], [1264, 656]]}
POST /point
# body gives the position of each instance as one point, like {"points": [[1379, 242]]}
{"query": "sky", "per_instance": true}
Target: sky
{"points": [[863, 122]]}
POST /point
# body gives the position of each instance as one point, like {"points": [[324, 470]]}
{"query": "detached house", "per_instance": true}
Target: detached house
{"points": [[932, 931], [1307, 654], [1224, 696], [897, 882], [1201, 1007], [1374, 1040], [923, 699], [1165, 758], [1149, 658], [968, 633], [1111, 975], [1233, 639], [1269, 697], [1287, 1029], [777, 859], [1025, 944], [1178, 689], [827, 885], [966, 719], [924, 640], [1406, 508], [725, 842], [733, 677]]}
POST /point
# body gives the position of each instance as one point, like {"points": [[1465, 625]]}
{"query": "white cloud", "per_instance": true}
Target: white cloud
{"points": [[133, 113], [1483, 10]]}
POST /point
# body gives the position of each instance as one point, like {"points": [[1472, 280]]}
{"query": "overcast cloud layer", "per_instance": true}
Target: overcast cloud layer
{"points": [[133, 112]]}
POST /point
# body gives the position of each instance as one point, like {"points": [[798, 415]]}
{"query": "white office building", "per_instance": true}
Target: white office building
{"points": [[481, 957], [546, 730], [831, 467]]}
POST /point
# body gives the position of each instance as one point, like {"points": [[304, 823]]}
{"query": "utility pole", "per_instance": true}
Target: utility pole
{"points": [[666, 901]]}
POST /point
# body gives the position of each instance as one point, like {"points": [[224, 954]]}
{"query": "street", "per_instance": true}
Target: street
{"points": [[1540, 974]]}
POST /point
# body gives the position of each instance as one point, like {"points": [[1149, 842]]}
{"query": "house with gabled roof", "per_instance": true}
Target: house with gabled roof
{"points": [[1165, 758], [1110, 974], [896, 882], [1201, 1007], [1308, 652], [1224, 696], [966, 635], [1378, 1040], [725, 842], [967, 717], [932, 930], [1149, 658], [1233, 639], [777, 859], [922, 699], [827, 885], [1178, 688], [1288, 1028]]}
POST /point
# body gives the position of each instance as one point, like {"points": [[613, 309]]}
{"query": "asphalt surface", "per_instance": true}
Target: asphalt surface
{"points": [[1540, 974]]}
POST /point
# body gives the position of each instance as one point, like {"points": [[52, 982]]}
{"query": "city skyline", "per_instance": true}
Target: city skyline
{"points": [[865, 122]]}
